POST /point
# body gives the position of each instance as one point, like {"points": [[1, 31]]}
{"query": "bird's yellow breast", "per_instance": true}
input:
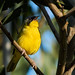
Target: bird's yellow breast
{"points": [[30, 39]]}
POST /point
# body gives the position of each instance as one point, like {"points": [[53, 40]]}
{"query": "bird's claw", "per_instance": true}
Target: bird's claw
{"points": [[23, 52]]}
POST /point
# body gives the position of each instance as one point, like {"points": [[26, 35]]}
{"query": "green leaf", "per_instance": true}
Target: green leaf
{"points": [[1, 7]]}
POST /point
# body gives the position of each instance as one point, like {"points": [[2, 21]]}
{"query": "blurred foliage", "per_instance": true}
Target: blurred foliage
{"points": [[15, 11], [55, 24], [22, 67], [1, 58], [5, 4], [2, 70], [17, 7]]}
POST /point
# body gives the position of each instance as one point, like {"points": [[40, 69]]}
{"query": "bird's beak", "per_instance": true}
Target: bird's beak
{"points": [[36, 17]]}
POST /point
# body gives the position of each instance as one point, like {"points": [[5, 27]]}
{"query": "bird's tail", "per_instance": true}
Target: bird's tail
{"points": [[12, 64]]}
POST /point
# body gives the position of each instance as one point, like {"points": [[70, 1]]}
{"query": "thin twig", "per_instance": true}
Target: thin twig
{"points": [[50, 22], [15, 44], [71, 65], [55, 10], [69, 13], [70, 68]]}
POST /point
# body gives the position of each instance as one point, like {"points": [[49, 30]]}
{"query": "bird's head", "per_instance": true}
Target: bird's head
{"points": [[32, 21]]}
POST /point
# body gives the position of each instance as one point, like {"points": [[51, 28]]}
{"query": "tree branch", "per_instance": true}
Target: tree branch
{"points": [[49, 22], [15, 44], [51, 5], [69, 72], [71, 34], [63, 48], [69, 13], [70, 66], [55, 10]]}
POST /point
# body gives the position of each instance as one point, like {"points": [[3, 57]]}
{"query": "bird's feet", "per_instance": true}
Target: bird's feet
{"points": [[23, 52]]}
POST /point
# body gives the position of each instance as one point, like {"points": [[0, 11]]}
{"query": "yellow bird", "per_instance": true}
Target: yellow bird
{"points": [[29, 40]]}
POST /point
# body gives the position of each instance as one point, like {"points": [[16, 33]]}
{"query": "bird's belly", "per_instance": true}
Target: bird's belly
{"points": [[31, 44]]}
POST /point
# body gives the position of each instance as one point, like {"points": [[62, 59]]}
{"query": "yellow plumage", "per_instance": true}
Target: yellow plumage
{"points": [[29, 40]]}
